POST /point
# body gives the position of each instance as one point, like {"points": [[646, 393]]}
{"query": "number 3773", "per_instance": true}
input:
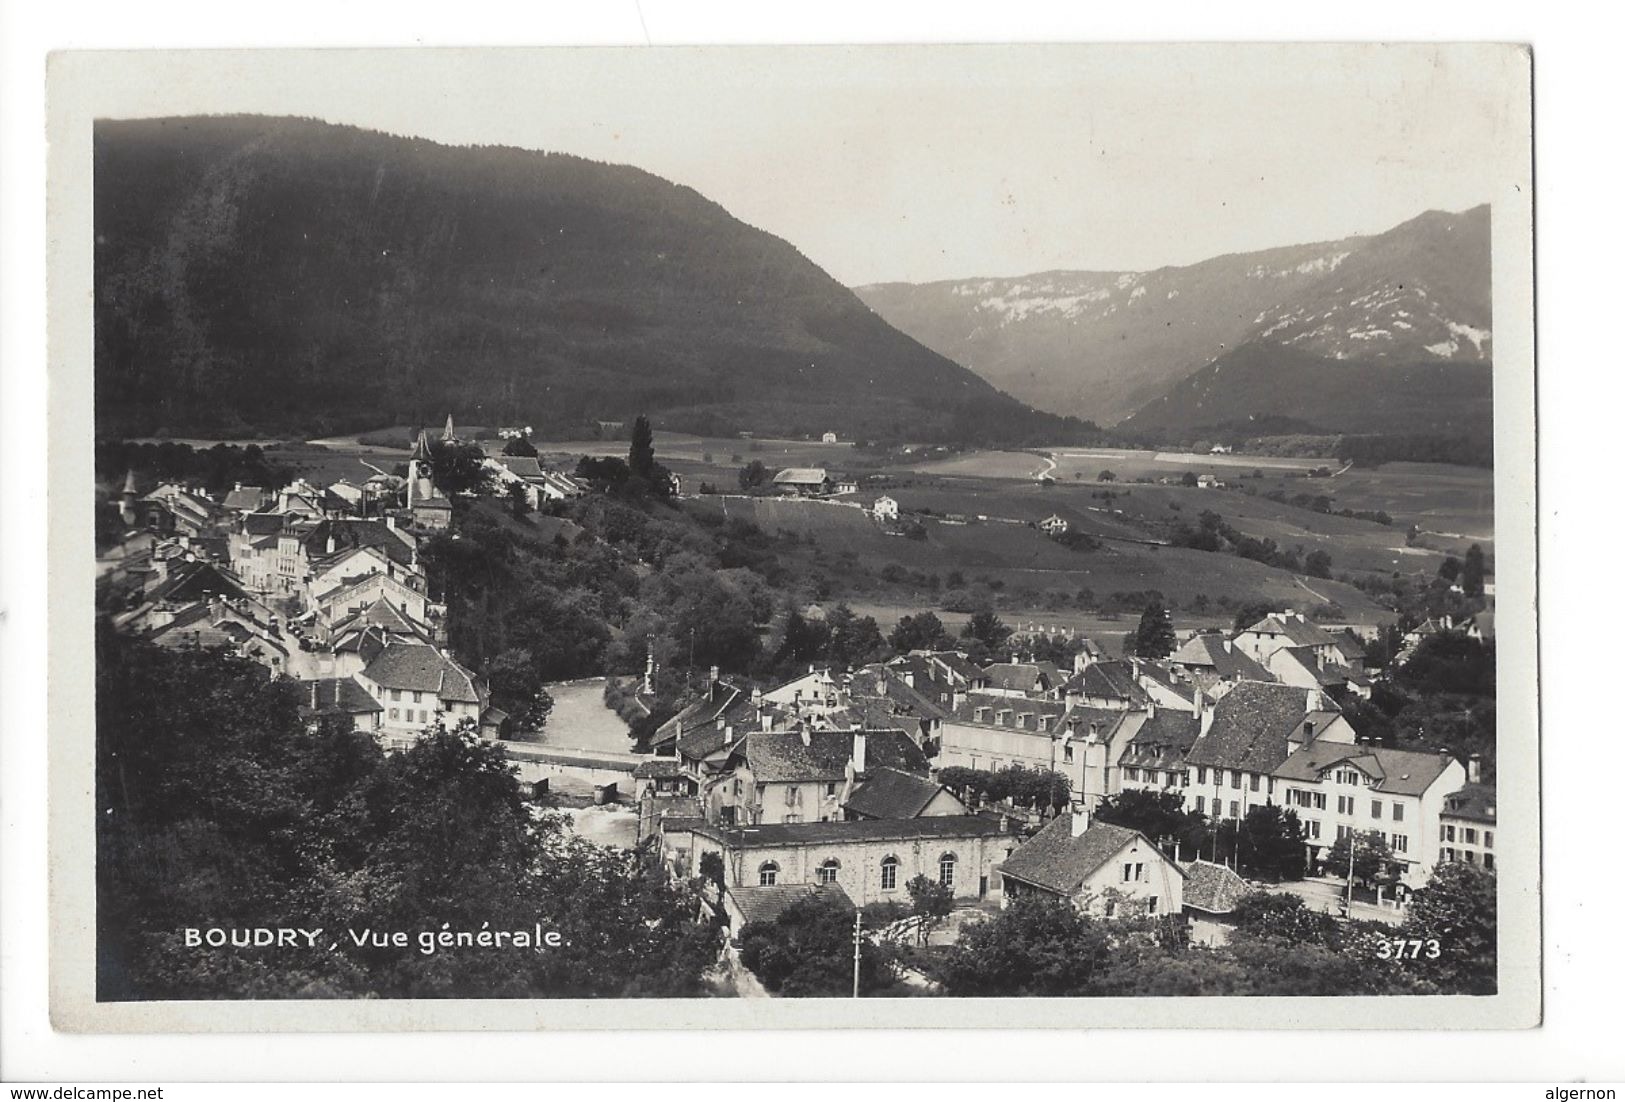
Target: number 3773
{"points": [[1415, 948]]}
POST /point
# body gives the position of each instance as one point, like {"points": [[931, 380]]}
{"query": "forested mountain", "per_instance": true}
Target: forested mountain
{"points": [[282, 275], [1239, 337]]}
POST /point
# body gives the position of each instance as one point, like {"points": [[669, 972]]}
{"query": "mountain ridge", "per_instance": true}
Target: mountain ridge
{"points": [[259, 273]]}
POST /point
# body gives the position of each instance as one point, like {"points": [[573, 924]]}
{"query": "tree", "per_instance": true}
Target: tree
{"points": [[1472, 572], [1160, 816], [459, 468], [1373, 860], [986, 627], [521, 447], [1038, 945], [1155, 636], [923, 631], [754, 474], [518, 500], [1188, 479], [1458, 908], [1283, 915], [1318, 564], [1106, 476], [1450, 570], [1267, 842], [517, 688], [713, 869], [1250, 613], [807, 951], [932, 901], [641, 456]]}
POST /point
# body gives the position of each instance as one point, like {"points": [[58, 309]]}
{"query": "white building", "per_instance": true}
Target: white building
{"points": [[885, 508]]}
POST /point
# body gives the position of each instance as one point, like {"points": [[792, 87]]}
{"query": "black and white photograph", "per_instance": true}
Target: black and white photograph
{"points": [[730, 529]]}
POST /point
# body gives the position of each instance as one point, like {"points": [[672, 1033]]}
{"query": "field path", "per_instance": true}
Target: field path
{"points": [[1316, 594], [1042, 472]]}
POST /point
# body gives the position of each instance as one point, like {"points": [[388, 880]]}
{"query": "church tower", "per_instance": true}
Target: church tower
{"points": [[420, 470], [126, 504], [450, 434]]}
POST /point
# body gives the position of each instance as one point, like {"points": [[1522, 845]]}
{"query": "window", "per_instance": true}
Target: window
{"points": [[1066, 752], [417, 697], [1235, 778], [1200, 809], [1399, 812], [1253, 779], [1449, 854], [1201, 774], [1449, 834], [1151, 905], [1173, 779], [1400, 843], [1320, 800], [1489, 842], [1344, 832], [1376, 809], [945, 870], [395, 695], [1469, 835], [1312, 827], [1139, 871], [1442, 829], [1128, 872], [1130, 773], [1235, 810], [768, 875], [1489, 860], [394, 713], [888, 875], [828, 871], [1468, 856], [1345, 805], [829, 789]]}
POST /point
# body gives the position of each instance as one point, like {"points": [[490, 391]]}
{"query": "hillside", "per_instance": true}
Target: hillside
{"points": [[1395, 310], [261, 275]]}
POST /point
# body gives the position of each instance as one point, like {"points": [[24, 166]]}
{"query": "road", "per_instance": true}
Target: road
{"points": [[1327, 895]]}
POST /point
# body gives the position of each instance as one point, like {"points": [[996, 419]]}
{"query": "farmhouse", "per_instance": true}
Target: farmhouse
{"points": [[806, 775], [885, 508], [831, 438], [1054, 525], [1211, 894], [417, 685], [804, 481], [1287, 629]]}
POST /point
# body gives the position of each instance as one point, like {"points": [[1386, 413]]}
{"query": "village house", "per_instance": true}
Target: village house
{"points": [[1246, 737], [805, 775], [1215, 663], [419, 686], [1338, 789], [242, 626], [996, 732], [334, 697], [1019, 679], [354, 596], [871, 859], [879, 696], [744, 905], [831, 438], [1112, 684], [1211, 894], [887, 793], [1154, 756], [885, 508], [1166, 686], [1054, 525], [246, 499], [1103, 870], [1286, 629], [1467, 823], [803, 482]]}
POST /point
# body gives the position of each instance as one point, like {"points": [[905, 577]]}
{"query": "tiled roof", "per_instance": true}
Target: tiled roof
{"points": [[196, 581], [264, 524], [351, 532], [886, 687], [657, 769], [1213, 888], [419, 667], [1301, 632], [244, 499], [938, 827], [1163, 739], [525, 466], [1328, 675], [1016, 676], [800, 476], [337, 696], [1472, 801], [1107, 681], [1399, 772], [1250, 727], [765, 904], [1056, 860], [1162, 675], [792, 756], [381, 613], [1209, 651], [887, 793]]}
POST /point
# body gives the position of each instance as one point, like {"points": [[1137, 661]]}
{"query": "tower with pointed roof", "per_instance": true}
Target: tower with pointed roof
{"points": [[420, 469], [450, 434], [126, 505]]}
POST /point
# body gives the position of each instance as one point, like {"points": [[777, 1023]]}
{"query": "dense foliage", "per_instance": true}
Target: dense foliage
{"points": [[219, 807], [807, 951]]}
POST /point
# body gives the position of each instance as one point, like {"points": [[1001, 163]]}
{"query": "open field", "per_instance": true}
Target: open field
{"points": [[1023, 560], [1085, 464]]}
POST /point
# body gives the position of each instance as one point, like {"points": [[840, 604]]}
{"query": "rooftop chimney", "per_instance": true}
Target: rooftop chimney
{"points": [[1475, 769], [806, 735], [1312, 701], [1080, 823], [860, 751], [716, 675]]}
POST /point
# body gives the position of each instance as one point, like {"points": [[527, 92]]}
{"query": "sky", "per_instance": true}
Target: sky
{"points": [[928, 163]]}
